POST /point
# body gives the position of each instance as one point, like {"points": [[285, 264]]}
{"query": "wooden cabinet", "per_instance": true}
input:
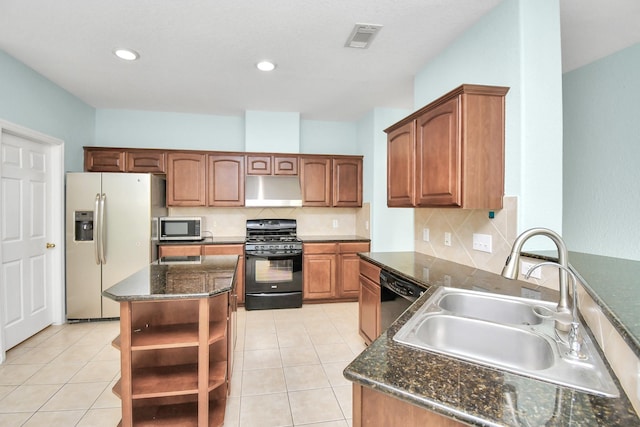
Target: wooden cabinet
{"points": [[272, 164], [179, 250], [104, 160], [315, 180], [372, 408], [450, 153], [319, 271], [225, 180], [174, 361], [348, 283], [331, 181], [186, 179], [330, 270], [231, 249], [369, 302], [347, 182], [149, 161], [101, 159]]}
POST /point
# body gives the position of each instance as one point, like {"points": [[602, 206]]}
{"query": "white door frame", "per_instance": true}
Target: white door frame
{"points": [[57, 219]]}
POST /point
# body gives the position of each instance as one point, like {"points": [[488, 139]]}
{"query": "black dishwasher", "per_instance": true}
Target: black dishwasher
{"points": [[396, 295]]}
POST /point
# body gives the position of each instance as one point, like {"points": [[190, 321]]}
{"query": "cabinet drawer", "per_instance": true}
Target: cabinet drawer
{"points": [[319, 248], [353, 247], [179, 250], [223, 249], [371, 271]]}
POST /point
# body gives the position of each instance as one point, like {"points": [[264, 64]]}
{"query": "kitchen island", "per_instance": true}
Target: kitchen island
{"points": [[397, 382], [177, 333]]}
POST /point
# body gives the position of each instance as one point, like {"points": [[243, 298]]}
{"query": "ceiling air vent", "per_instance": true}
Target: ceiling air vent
{"points": [[362, 35]]}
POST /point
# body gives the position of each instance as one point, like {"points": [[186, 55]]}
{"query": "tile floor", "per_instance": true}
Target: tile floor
{"points": [[288, 372]]}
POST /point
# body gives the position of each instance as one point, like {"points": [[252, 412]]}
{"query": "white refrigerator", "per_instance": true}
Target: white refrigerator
{"points": [[111, 232]]}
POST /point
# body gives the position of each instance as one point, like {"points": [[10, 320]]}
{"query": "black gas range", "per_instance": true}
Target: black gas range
{"points": [[273, 264]]}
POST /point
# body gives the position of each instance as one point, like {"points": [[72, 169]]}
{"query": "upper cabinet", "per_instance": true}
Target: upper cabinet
{"points": [[450, 153], [186, 179], [226, 180], [123, 160], [331, 181], [276, 164]]}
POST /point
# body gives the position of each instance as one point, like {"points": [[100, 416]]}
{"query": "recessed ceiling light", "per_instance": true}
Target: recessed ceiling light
{"points": [[266, 66], [126, 54]]}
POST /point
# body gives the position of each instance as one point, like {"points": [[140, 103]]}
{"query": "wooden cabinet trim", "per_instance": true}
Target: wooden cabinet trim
{"points": [[370, 270]]}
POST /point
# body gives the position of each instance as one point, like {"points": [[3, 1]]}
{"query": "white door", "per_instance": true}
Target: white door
{"points": [[30, 269]]}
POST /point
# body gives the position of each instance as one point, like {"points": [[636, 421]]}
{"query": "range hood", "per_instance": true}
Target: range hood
{"points": [[272, 191]]}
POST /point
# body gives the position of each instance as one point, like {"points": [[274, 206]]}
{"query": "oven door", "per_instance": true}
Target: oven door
{"points": [[269, 272]]}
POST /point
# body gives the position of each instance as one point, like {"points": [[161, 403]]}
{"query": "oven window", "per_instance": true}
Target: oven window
{"points": [[275, 270]]}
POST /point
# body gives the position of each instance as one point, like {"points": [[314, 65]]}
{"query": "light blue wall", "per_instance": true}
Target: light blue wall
{"points": [[276, 132], [328, 137], [149, 129], [602, 156], [517, 45], [30, 100]]}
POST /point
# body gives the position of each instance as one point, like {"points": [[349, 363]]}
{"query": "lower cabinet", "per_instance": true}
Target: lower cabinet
{"points": [[175, 361], [369, 302], [179, 250], [330, 270], [374, 409]]}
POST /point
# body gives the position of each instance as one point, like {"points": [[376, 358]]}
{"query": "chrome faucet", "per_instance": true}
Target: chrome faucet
{"points": [[511, 267], [573, 339]]}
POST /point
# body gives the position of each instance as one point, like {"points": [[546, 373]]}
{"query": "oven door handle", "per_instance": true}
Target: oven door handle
{"points": [[272, 255]]}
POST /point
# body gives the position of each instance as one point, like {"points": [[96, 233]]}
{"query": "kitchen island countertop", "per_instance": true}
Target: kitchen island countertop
{"points": [[464, 391]]}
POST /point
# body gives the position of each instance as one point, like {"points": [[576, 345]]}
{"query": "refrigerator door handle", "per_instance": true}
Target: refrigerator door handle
{"points": [[103, 246], [96, 230]]}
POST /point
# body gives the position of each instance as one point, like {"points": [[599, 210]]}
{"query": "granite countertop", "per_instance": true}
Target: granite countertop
{"points": [[332, 238], [464, 391], [177, 278], [209, 240]]}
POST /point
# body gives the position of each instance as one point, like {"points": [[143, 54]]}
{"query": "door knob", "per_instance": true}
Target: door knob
{"points": [[51, 245]]}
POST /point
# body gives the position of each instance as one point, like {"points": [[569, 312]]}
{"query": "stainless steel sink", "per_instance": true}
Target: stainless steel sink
{"points": [[502, 332]]}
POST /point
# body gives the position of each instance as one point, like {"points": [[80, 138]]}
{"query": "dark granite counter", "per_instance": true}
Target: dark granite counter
{"points": [[467, 392], [332, 238], [210, 240], [177, 278]]}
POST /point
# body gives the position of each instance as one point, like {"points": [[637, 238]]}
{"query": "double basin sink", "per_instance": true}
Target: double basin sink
{"points": [[506, 333]]}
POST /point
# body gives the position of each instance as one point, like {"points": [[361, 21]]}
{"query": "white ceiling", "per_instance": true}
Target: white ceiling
{"points": [[198, 56]]}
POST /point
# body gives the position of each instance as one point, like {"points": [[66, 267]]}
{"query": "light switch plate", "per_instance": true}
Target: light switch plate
{"points": [[482, 242], [447, 239], [425, 234]]}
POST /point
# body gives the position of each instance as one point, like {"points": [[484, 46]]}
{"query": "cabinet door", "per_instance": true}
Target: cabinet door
{"points": [[315, 180], [226, 180], [259, 165], [401, 166], [369, 310], [179, 250], [104, 160], [348, 285], [438, 156], [146, 161], [186, 179], [285, 165], [347, 182], [319, 272]]}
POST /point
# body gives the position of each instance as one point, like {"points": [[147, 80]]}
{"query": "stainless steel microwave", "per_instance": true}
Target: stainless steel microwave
{"points": [[180, 228]]}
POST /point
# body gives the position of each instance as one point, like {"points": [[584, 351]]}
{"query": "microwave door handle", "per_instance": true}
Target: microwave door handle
{"points": [[103, 246], [96, 230]]}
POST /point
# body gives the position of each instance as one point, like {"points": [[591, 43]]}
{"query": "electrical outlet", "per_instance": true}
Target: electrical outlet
{"points": [[526, 266], [425, 234], [335, 223], [366, 225], [447, 239], [482, 242]]}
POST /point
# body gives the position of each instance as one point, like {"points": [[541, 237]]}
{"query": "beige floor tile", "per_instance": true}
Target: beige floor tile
{"points": [[38, 355], [263, 381], [100, 371], [75, 396], [345, 399], [103, 417], [293, 338], [329, 336], [334, 371], [17, 374], [269, 410], [55, 373], [260, 341], [6, 389], [334, 353], [27, 398], [293, 356], [54, 419], [77, 353], [305, 377], [262, 359], [107, 399], [232, 412], [14, 419], [236, 384], [314, 406], [107, 352], [339, 423]]}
